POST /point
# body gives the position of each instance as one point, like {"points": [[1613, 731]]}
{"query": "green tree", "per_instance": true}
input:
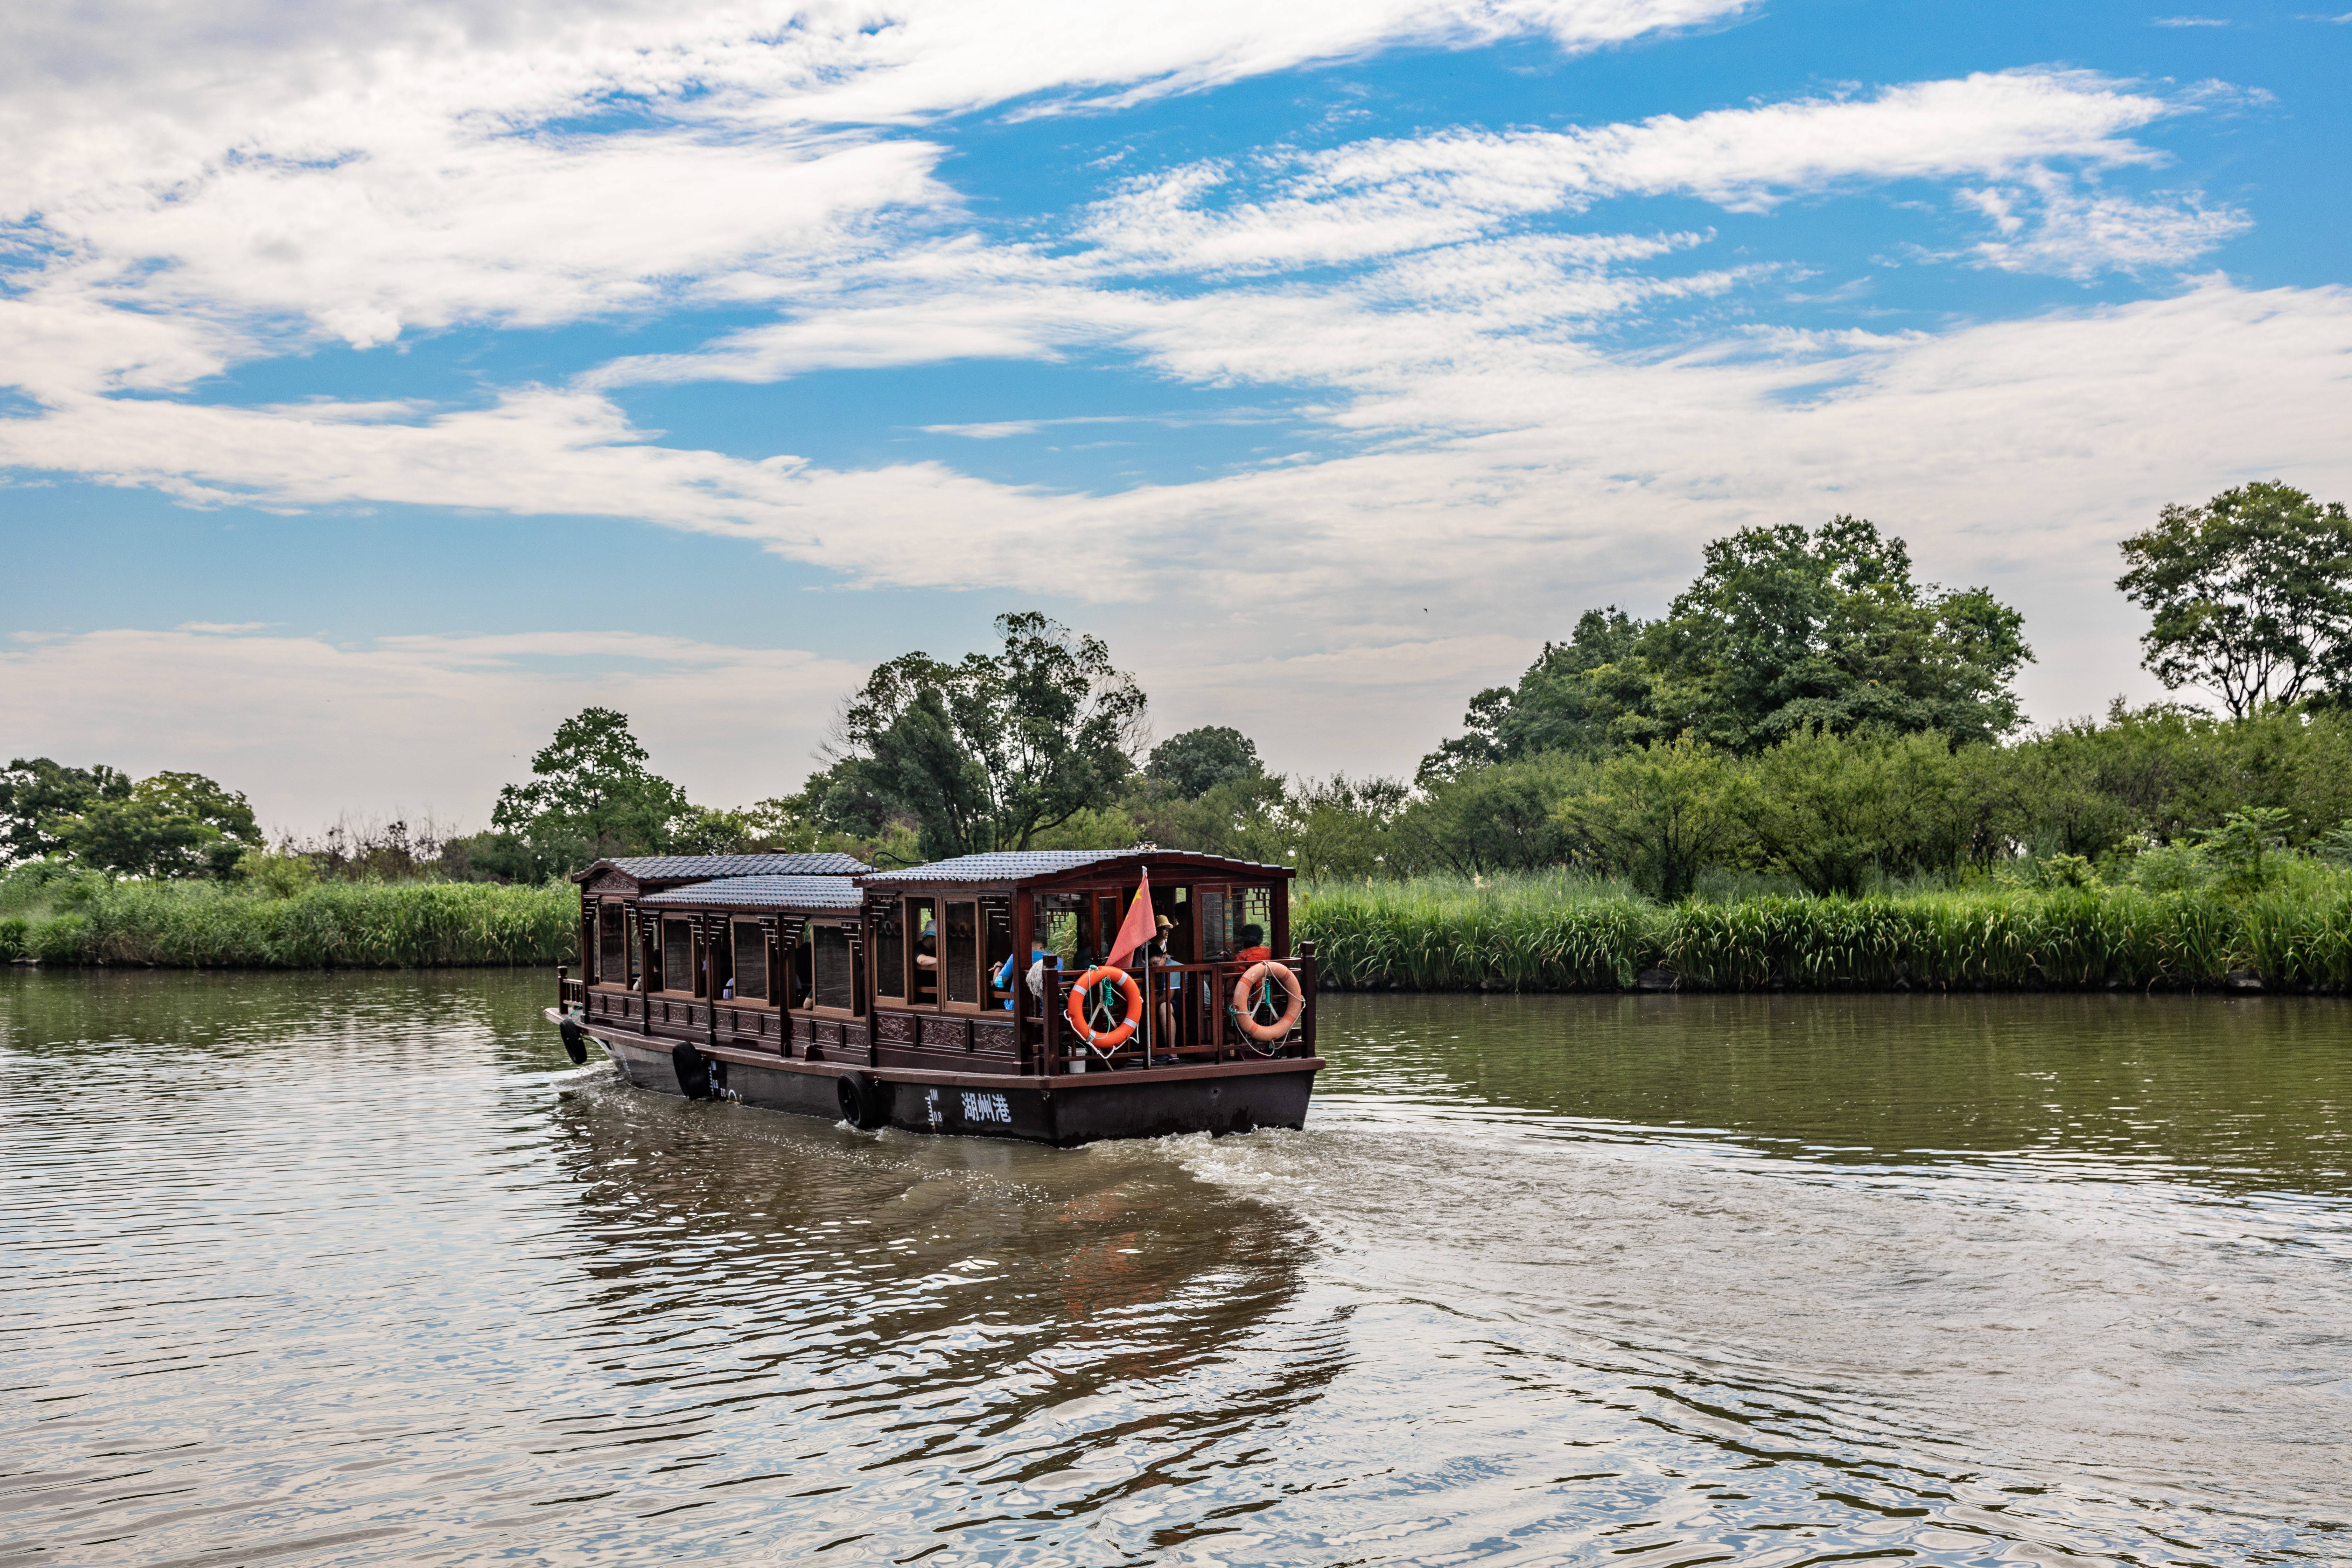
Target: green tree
{"points": [[1198, 761], [1786, 631], [36, 792], [1245, 817], [1340, 827], [1783, 630], [173, 825], [1503, 818], [1828, 809], [2250, 595], [1580, 696], [1659, 814], [987, 753], [591, 796]]}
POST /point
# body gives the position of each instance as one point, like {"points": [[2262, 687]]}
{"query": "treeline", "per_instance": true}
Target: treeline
{"points": [[1806, 719]]}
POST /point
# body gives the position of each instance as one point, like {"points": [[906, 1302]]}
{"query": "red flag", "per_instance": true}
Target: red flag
{"points": [[1136, 929]]}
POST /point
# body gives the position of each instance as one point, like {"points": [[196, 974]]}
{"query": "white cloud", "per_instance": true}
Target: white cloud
{"points": [[1381, 198], [988, 430], [216, 185], [309, 727], [2054, 225], [270, 169], [1516, 479]]}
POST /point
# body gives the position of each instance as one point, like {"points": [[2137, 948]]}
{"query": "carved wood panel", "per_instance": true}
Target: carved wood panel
{"points": [[946, 1033], [992, 1037], [894, 1028]]}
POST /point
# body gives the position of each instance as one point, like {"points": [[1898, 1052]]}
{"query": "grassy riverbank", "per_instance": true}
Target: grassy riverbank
{"points": [[1540, 934], [1556, 932], [353, 925]]}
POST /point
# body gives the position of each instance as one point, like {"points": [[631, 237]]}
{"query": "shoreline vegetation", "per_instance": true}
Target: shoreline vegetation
{"points": [[1811, 772], [1556, 932], [329, 925]]}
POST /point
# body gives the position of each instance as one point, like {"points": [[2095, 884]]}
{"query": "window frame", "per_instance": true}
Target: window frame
{"points": [[693, 942], [848, 929]]}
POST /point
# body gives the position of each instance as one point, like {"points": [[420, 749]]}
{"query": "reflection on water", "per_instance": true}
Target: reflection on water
{"points": [[358, 1270]]}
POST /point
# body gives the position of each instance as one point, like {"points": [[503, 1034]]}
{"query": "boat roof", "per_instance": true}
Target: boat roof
{"points": [[1050, 865], [762, 893], [704, 867]]}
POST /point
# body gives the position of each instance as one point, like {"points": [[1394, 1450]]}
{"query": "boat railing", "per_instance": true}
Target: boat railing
{"points": [[1193, 1017]]}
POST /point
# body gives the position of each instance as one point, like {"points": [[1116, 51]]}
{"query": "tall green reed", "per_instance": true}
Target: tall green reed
{"points": [[1563, 934], [332, 925]]}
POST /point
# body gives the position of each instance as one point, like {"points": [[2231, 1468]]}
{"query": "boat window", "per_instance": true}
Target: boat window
{"points": [[1171, 904], [1216, 936], [1057, 929], [716, 958], [889, 950], [750, 959], [803, 991], [1108, 908], [1254, 907], [960, 951], [612, 945], [677, 955], [836, 979], [923, 973], [996, 932]]}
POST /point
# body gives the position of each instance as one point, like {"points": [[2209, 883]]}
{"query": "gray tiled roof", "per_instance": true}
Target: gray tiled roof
{"points": [[1019, 865], [675, 867], [762, 893]]}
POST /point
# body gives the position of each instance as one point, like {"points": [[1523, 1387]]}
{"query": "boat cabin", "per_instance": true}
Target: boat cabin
{"points": [[757, 950], [954, 943]]}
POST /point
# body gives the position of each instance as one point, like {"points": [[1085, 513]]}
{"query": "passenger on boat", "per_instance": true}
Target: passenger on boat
{"points": [[1166, 984], [1253, 948], [1036, 972]]}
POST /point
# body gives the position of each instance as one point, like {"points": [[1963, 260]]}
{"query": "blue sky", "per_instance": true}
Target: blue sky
{"points": [[379, 385]]}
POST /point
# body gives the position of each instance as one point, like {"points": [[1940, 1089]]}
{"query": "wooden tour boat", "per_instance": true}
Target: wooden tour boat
{"points": [[817, 984]]}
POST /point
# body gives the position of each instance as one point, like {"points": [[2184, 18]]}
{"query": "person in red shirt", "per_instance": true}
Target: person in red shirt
{"points": [[1253, 946]]}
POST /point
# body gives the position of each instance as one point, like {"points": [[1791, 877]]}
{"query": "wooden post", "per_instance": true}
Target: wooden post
{"points": [[770, 935], [563, 987], [1049, 1042], [1307, 980], [1278, 903], [647, 929], [1216, 1019], [710, 925]]}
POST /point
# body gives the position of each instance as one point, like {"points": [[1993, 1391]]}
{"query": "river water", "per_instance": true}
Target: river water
{"points": [[358, 1270]]}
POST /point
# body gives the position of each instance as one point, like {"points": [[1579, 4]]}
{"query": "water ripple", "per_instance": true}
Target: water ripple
{"points": [[353, 1269]]}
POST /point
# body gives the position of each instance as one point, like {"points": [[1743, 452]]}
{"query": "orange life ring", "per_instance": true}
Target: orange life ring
{"points": [[1109, 1039], [1246, 1014]]}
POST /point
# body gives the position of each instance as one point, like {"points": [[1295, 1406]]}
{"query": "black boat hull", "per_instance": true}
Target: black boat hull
{"points": [[1063, 1110]]}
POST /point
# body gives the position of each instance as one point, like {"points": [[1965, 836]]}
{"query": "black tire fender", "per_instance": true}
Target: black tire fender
{"points": [[864, 1103], [574, 1045], [693, 1077]]}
